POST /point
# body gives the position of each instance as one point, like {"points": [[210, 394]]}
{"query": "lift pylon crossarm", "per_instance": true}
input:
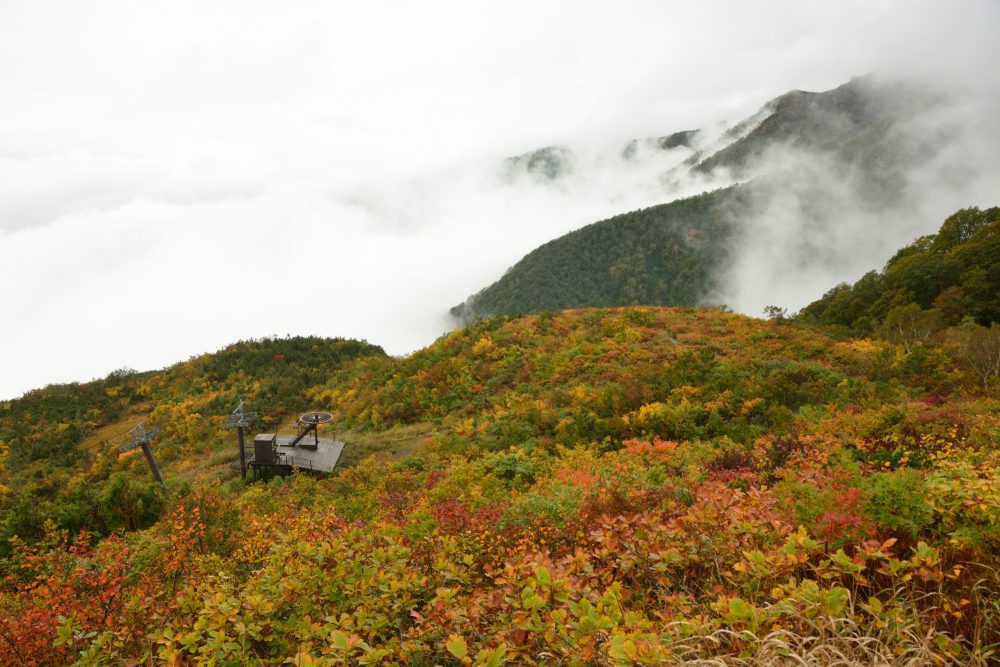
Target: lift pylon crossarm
{"points": [[139, 435], [240, 418]]}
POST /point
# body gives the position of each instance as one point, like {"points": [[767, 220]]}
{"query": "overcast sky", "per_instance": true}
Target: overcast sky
{"points": [[176, 176]]}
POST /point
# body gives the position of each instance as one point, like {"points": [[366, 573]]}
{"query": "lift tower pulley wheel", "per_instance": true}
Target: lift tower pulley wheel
{"points": [[310, 421], [315, 418]]}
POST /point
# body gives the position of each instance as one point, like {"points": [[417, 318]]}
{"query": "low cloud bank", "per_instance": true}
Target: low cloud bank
{"points": [[828, 221], [177, 177]]}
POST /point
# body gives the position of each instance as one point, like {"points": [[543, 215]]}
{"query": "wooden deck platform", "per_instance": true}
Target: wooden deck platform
{"points": [[308, 456]]}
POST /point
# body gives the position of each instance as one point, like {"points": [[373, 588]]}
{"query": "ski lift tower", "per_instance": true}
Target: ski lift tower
{"points": [[140, 439], [240, 419]]}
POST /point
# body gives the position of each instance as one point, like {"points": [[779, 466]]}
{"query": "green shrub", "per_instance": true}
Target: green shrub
{"points": [[897, 501], [514, 468], [552, 505]]}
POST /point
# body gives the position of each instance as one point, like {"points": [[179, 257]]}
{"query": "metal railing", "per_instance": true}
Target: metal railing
{"points": [[282, 459]]}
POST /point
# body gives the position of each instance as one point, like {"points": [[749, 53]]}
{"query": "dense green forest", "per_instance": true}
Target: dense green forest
{"points": [[662, 255], [935, 282]]}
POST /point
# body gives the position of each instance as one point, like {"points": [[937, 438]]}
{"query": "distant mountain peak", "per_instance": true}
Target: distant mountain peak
{"points": [[811, 154], [547, 164]]}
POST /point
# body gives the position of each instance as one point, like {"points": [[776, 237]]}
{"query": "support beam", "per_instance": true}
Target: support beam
{"points": [[305, 431], [243, 454], [152, 462]]}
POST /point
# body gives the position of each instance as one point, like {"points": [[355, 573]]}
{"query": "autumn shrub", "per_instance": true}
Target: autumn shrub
{"points": [[417, 463], [553, 502], [926, 367], [777, 450], [451, 515], [515, 468], [731, 459], [897, 502], [56, 591], [690, 457], [964, 493], [211, 517], [827, 498], [794, 384]]}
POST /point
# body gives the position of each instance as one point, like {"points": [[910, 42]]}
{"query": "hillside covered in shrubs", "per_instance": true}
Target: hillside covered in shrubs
{"points": [[626, 486], [620, 486]]}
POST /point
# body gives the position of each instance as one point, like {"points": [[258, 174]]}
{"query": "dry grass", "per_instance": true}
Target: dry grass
{"points": [[397, 443], [108, 437], [823, 642], [783, 648]]}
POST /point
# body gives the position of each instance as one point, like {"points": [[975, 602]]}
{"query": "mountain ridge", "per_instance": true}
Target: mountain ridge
{"points": [[854, 133]]}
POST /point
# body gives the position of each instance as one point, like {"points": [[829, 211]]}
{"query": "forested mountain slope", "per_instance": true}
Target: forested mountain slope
{"points": [[860, 123], [937, 280], [664, 254], [796, 148]]}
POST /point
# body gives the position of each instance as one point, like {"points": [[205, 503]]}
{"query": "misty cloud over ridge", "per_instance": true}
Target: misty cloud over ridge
{"points": [[825, 218], [174, 177], [830, 185]]}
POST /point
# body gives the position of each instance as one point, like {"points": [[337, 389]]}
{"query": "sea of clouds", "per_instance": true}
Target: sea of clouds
{"points": [[175, 176]]}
